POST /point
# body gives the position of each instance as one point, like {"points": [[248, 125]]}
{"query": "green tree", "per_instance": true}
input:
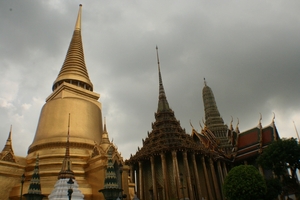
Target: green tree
{"points": [[244, 182], [283, 158], [274, 189]]}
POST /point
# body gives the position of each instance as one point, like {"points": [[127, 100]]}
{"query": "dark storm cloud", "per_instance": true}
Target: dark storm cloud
{"points": [[248, 52]]}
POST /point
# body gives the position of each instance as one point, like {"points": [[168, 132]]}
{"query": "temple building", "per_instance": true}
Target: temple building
{"points": [[88, 143], [173, 164]]}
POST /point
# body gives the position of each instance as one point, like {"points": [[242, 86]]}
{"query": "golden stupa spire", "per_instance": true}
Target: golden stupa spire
{"points": [[66, 169], [78, 21], [105, 139], [74, 70]]}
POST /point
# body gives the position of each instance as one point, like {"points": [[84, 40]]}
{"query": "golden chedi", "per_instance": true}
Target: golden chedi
{"points": [[72, 94]]}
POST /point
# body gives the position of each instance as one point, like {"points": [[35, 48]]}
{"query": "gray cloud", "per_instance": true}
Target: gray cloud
{"points": [[248, 52]]}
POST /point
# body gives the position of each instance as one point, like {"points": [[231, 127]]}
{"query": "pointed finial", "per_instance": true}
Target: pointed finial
{"points": [[273, 117], [260, 118], [78, 22], [200, 125], [162, 103], [9, 136], [205, 82], [296, 132], [237, 124], [191, 124], [105, 125], [157, 58]]}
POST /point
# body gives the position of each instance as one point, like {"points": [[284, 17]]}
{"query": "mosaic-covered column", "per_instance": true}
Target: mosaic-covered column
{"points": [[188, 174], [215, 180], [221, 177], [153, 178], [125, 185], [220, 172], [207, 179], [196, 175], [165, 175], [224, 170], [132, 178], [176, 172], [141, 181]]}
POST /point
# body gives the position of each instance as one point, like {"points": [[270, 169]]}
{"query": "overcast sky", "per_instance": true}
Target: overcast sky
{"points": [[248, 51]]}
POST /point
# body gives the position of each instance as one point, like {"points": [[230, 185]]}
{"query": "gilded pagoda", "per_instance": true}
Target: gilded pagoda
{"points": [[72, 93]]}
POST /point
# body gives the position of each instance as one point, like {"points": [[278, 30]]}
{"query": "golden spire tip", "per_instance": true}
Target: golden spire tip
{"points": [[78, 21]]}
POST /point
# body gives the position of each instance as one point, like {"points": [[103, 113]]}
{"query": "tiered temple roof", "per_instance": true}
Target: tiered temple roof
{"points": [[251, 143], [167, 133]]}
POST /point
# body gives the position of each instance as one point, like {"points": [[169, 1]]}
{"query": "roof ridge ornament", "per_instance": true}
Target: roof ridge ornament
{"points": [[273, 119], [237, 125], [260, 118], [200, 125]]}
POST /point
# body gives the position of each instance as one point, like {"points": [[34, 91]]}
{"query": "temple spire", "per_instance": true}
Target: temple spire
{"points": [[213, 120], [66, 169], [66, 180], [74, 70], [110, 181], [34, 190], [105, 131], [105, 139], [8, 144], [7, 153], [162, 102]]}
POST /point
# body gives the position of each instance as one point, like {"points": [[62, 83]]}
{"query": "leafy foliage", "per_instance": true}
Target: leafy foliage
{"points": [[274, 189], [281, 155], [244, 182]]}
